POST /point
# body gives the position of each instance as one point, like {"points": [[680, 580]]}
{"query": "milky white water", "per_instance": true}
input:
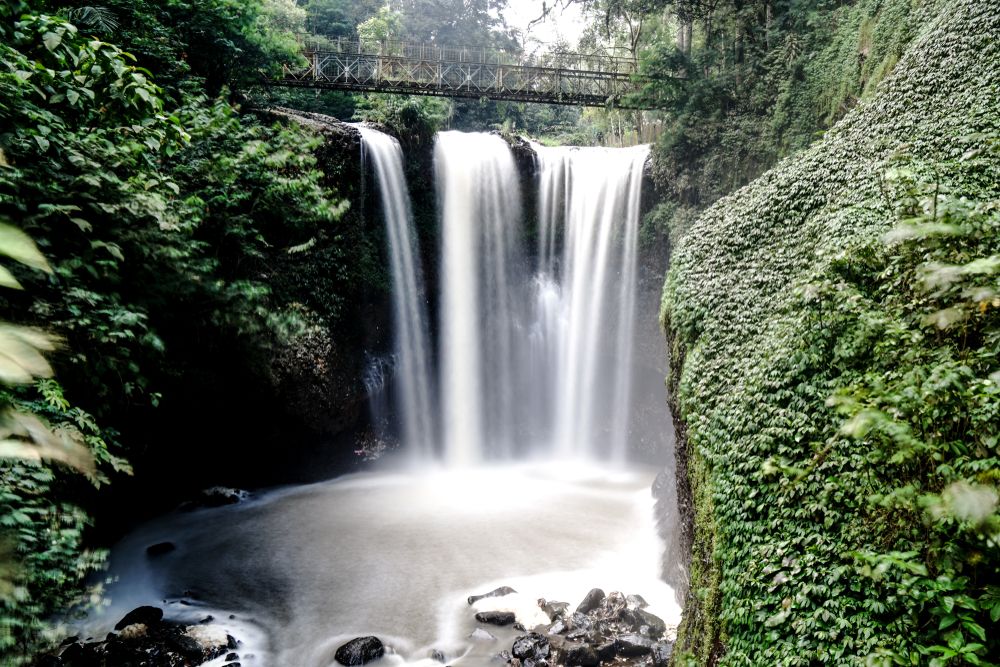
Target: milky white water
{"points": [[396, 555], [410, 340], [514, 488]]}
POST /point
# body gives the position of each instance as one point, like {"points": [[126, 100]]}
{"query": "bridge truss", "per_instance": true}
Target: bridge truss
{"points": [[425, 69]]}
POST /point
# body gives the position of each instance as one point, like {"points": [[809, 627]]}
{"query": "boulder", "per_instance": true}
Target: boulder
{"points": [[579, 655], [531, 646], [495, 593], [145, 615], [636, 602], [632, 645], [648, 624], [591, 601], [552, 608], [496, 617], [360, 651], [189, 647], [661, 654], [159, 549], [606, 650]]}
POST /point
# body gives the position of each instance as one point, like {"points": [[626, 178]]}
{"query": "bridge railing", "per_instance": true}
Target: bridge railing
{"points": [[582, 62], [595, 79]]}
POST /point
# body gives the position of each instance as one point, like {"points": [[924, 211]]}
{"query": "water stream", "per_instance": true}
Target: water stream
{"points": [[513, 467]]}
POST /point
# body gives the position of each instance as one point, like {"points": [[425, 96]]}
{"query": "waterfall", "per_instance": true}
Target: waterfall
{"points": [[413, 369], [536, 358], [480, 265], [591, 196]]}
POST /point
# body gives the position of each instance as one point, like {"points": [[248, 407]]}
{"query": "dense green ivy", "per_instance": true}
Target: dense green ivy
{"points": [[839, 382]]}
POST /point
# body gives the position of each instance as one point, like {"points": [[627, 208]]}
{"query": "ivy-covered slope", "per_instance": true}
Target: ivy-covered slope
{"points": [[838, 384]]}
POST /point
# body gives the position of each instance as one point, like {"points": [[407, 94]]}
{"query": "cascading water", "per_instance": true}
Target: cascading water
{"points": [[412, 377], [535, 348], [555, 376], [594, 194]]}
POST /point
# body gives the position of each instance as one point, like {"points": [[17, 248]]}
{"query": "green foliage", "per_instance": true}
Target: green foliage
{"points": [[384, 26], [174, 228], [835, 334], [759, 80]]}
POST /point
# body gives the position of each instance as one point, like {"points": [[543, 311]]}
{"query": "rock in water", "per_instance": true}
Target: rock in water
{"points": [[495, 593], [591, 601], [656, 625], [159, 549], [661, 654], [531, 646], [496, 617], [580, 655], [629, 646], [145, 615], [636, 602], [360, 651], [482, 635]]}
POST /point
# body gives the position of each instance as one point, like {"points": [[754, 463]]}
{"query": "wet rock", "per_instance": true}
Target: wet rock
{"points": [[632, 645], [436, 655], [232, 642], [552, 608], [519, 627], [232, 656], [482, 635], [636, 602], [580, 621], [495, 593], [496, 617], [503, 656], [580, 655], [159, 549], [606, 650], [531, 646], [134, 632], [146, 615], [189, 647], [654, 625], [360, 651], [216, 496], [661, 654], [557, 628], [591, 601]]}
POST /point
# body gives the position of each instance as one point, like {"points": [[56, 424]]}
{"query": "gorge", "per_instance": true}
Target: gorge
{"points": [[494, 472]]}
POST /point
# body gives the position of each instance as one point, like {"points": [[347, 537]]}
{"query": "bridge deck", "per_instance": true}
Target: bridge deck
{"points": [[421, 69]]}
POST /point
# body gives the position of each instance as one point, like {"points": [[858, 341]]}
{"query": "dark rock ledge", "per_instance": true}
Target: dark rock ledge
{"points": [[143, 638], [603, 630]]}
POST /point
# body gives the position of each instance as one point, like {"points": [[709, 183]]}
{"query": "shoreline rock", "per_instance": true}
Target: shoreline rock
{"points": [[144, 637], [612, 629]]}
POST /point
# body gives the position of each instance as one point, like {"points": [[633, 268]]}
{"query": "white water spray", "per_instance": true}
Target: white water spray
{"points": [[409, 310], [537, 360], [592, 196]]}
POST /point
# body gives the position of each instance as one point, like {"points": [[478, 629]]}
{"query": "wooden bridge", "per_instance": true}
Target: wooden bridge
{"points": [[425, 69]]}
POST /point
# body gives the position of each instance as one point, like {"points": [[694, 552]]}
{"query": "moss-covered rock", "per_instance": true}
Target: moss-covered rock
{"points": [[780, 501]]}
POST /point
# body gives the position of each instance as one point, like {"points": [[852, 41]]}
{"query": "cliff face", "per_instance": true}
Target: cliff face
{"points": [[775, 501]]}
